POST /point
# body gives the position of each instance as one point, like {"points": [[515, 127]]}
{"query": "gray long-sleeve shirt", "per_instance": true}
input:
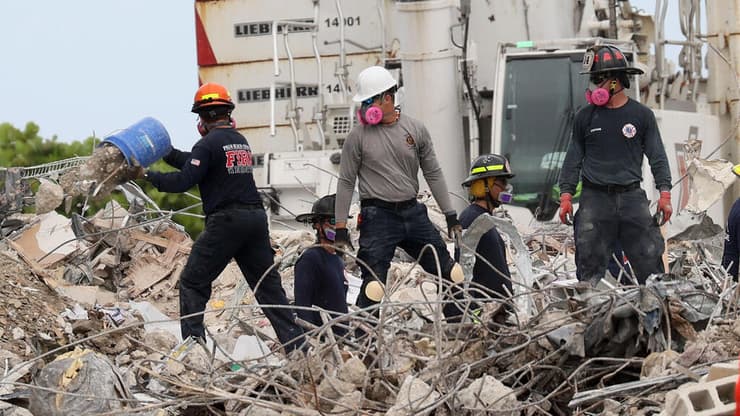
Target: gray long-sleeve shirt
{"points": [[608, 145], [386, 158]]}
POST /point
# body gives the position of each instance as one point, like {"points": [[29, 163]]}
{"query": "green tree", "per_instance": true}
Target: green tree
{"points": [[26, 148]]}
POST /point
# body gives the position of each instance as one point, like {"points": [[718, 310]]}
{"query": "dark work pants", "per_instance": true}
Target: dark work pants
{"points": [[241, 234], [603, 219], [382, 230]]}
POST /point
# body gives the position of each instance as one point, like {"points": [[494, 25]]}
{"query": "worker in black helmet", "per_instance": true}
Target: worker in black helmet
{"points": [[319, 272], [220, 164], [610, 137]]}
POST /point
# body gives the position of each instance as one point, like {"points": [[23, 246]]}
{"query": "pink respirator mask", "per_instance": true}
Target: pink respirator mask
{"points": [[600, 95], [369, 114]]}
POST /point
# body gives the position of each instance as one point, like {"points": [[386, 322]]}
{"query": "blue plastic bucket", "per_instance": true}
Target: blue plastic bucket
{"points": [[144, 142]]}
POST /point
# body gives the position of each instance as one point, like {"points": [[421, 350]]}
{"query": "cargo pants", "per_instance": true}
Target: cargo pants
{"points": [[602, 219], [241, 234]]}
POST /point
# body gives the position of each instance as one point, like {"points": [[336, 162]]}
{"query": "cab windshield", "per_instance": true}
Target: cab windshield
{"points": [[541, 96]]}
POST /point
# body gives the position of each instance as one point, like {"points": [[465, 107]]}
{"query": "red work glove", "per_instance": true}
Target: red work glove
{"points": [[664, 208], [566, 208]]}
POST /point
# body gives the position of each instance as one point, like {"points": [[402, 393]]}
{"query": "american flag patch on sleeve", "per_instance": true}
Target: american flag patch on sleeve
{"points": [[195, 162]]}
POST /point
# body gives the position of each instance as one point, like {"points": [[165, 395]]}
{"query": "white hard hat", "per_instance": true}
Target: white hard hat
{"points": [[371, 82]]}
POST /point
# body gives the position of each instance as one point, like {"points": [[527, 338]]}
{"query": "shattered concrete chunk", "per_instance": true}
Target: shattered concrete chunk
{"points": [[709, 181], [18, 333], [349, 405], [657, 363], [414, 398], [332, 388], [160, 340], [487, 392], [353, 371], [48, 197]]}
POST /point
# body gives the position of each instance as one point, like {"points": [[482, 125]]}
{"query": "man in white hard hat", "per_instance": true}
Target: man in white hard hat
{"points": [[383, 153]]}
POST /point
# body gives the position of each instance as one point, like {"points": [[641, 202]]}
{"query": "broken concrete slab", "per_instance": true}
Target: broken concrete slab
{"points": [[48, 241], [87, 295], [415, 397], [487, 393], [156, 320], [709, 181]]}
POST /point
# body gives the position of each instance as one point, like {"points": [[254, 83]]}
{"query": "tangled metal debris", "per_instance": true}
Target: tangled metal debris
{"points": [[553, 347]]}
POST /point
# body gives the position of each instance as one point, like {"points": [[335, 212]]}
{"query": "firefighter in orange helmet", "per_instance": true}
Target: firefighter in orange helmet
{"points": [[220, 164]]}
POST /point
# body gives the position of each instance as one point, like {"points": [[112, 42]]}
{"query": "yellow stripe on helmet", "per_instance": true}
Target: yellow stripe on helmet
{"points": [[488, 168], [211, 96]]}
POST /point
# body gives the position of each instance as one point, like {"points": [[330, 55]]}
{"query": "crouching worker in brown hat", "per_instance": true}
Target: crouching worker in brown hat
{"points": [[319, 272]]}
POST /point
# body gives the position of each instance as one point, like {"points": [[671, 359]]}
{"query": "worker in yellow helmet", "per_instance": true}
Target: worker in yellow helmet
{"points": [[488, 187]]}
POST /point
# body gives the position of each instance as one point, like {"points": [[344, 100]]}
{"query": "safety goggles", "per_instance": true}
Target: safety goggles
{"points": [[369, 101]]}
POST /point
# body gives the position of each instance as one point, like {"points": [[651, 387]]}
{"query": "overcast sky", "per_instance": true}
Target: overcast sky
{"points": [[79, 67]]}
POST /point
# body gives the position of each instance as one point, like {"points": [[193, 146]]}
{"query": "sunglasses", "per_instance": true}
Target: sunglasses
{"points": [[600, 78]]}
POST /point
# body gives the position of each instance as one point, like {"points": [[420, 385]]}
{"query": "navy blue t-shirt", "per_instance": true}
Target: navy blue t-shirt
{"points": [[608, 145], [319, 281], [220, 164], [491, 247], [732, 240]]}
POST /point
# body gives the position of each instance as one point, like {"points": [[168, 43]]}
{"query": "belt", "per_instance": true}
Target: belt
{"points": [[241, 205], [611, 189], [393, 206]]}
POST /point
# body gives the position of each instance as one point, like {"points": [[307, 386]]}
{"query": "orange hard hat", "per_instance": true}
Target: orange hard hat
{"points": [[211, 94]]}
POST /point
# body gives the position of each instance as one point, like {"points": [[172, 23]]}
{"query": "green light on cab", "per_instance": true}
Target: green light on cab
{"points": [[525, 44]]}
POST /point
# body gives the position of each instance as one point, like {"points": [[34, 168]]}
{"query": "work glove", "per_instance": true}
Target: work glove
{"points": [[664, 208], [454, 229], [137, 172], [566, 208], [342, 241]]}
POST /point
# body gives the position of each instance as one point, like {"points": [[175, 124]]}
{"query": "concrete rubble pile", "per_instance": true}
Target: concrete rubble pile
{"points": [[88, 308]]}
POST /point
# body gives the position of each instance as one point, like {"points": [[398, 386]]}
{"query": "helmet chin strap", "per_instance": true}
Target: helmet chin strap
{"points": [[491, 204]]}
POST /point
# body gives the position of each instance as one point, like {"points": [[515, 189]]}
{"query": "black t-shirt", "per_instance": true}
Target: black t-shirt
{"points": [[319, 281], [491, 247], [220, 164], [608, 145]]}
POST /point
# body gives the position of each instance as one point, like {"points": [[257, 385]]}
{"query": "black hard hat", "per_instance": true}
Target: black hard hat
{"points": [[322, 208], [599, 59], [485, 166]]}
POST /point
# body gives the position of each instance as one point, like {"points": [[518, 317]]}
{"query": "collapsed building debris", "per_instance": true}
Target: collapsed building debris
{"points": [[91, 297]]}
